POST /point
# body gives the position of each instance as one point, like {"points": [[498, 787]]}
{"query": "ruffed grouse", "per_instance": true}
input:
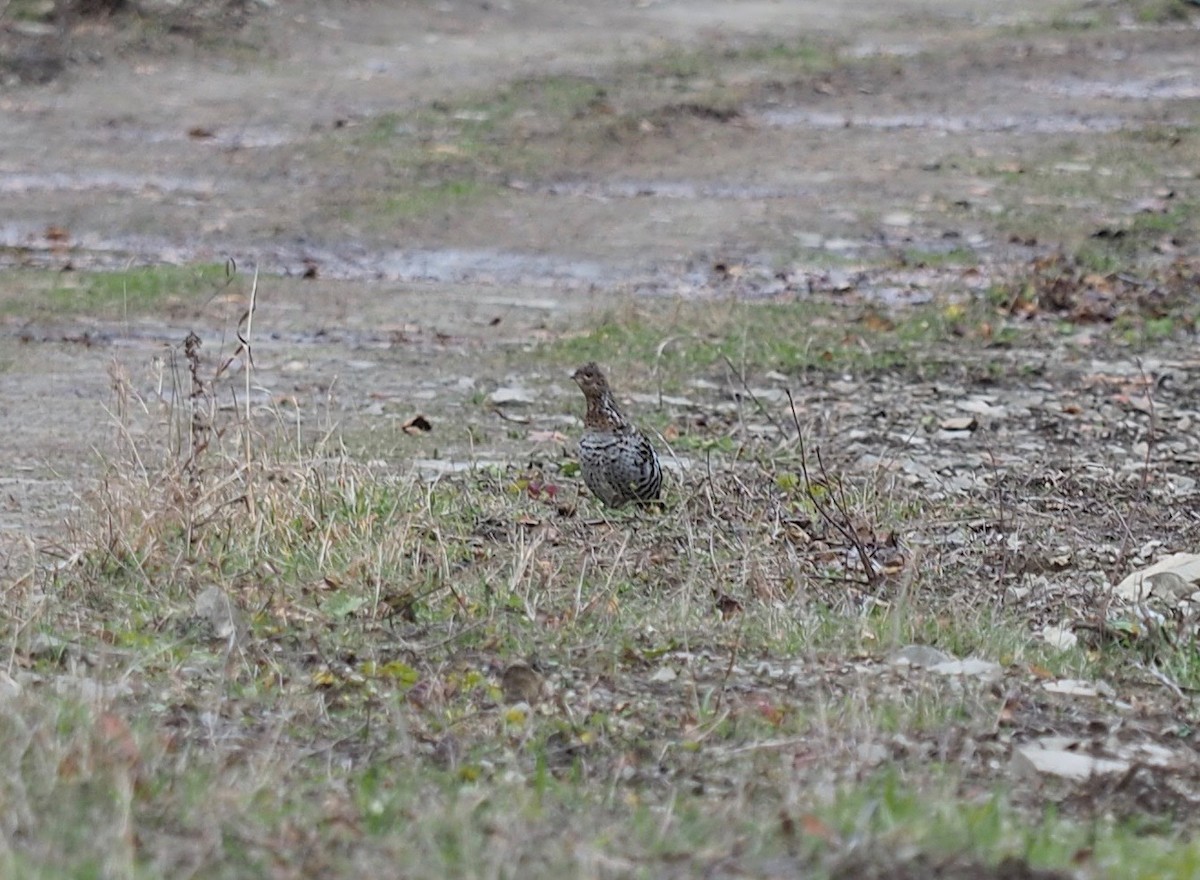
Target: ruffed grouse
{"points": [[618, 463]]}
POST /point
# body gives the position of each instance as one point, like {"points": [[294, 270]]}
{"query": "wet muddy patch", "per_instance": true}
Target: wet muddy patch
{"points": [[1183, 85], [108, 181], [1024, 124]]}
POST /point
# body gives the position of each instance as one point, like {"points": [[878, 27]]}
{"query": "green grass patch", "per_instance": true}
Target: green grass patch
{"points": [[682, 340], [891, 813], [421, 201], [111, 294], [1162, 12]]}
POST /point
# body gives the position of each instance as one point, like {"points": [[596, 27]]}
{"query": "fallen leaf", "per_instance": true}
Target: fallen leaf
{"points": [[878, 323], [814, 826], [538, 488], [119, 739], [418, 424]]}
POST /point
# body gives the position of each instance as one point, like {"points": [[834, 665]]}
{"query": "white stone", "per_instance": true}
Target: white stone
{"points": [[1059, 637], [1074, 687], [972, 667], [1141, 584], [1033, 759]]}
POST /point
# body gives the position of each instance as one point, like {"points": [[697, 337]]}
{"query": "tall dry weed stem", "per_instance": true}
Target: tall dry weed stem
{"points": [[183, 462]]}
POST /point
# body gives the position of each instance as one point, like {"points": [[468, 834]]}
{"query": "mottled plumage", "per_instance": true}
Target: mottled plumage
{"points": [[618, 463]]}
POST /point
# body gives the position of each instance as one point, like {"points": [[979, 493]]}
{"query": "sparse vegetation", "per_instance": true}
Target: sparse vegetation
{"points": [[338, 609], [708, 680]]}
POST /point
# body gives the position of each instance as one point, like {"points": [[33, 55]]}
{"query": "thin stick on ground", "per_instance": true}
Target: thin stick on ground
{"points": [[1152, 428], [839, 517], [758, 403]]}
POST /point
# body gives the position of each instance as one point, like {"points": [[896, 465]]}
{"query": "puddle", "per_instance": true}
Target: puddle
{"points": [[25, 247], [1182, 86], [141, 335], [496, 268], [28, 247], [16, 183], [881, 50], [455, 265], [666, 189], [1019, 124]]}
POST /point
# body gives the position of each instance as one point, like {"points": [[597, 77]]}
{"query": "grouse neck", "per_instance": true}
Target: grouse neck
{"points": [[602, 412]]}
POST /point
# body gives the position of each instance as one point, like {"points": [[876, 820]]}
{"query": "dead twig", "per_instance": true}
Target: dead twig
{"points": [[835, 512], [761, 408], [1152, 428]]}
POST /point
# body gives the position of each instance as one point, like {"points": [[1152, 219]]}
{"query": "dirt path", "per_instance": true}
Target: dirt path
{"points": [[250, 149], [375, 147]]}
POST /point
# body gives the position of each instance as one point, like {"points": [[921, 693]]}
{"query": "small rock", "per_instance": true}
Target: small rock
{"points": [[34, 28], [44, 645], [1173, 576], [972, 667], [9, 687], [1036, 760], [215, 607], [1059, 637], [653, 399], [959, 423], [1074, 687], [841, 245], [663, 675], [919, 655], [980, 407], [872, 753], [89, 689], [1181, 485], [512, 396], [521, 684], [811, 240]]}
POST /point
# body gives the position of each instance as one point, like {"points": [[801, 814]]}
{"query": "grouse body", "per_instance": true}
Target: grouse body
{"points": [[618, 462]]}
